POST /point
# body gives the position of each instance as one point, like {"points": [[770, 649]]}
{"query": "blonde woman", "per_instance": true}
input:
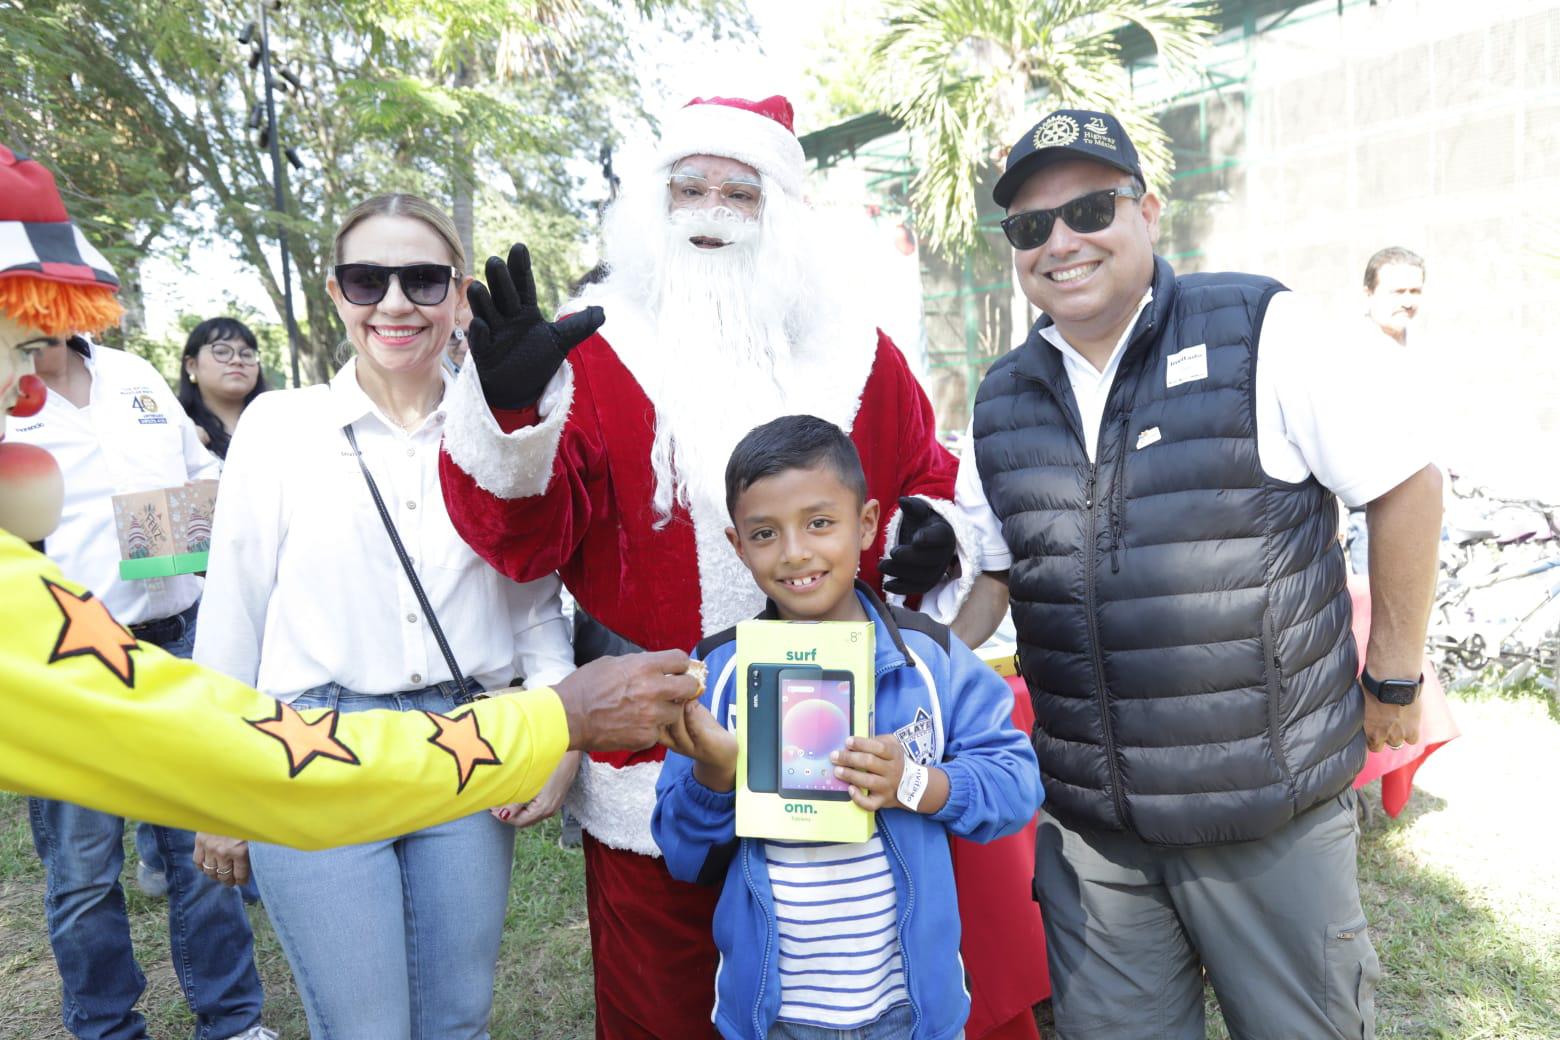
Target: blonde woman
{"points": [[308, 599]]}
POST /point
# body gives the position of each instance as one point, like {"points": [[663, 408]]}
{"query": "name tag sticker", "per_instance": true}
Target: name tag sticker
{"points": [[1148, 436], [1186, 366]]}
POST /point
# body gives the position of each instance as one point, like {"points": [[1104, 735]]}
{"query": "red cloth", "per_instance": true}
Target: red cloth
{"points": [[1395, 767], [1004, 941], [646, 927]]}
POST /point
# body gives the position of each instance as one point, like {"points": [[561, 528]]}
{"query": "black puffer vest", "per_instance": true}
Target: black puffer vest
{"points": [[1183, 619]]}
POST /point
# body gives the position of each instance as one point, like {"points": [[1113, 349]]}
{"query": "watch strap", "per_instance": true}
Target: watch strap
{"points": [[1373, 685]]}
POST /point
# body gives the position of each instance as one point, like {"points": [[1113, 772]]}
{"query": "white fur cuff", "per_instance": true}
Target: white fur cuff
{"points": [[968, 542], [509, 465], [614, 805]]}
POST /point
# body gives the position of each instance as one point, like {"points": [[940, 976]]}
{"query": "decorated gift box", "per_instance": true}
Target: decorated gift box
{"points": [[804, 687], [166, 531]]}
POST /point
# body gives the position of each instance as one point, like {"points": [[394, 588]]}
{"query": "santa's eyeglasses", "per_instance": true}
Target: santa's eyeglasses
{"points": [[745, 197]]}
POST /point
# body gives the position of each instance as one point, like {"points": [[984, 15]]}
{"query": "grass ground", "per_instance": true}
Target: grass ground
{"points": [[1463, 892]]}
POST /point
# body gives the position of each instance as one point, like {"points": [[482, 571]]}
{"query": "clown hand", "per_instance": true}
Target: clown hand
{"points": [[515, 349]]}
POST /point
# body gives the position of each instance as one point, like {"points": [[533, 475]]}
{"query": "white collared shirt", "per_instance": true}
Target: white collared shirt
{"points": [[133, 435], [304, 586], [1329, 399]]}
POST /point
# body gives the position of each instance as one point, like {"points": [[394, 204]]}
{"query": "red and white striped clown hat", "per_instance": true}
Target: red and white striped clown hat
{"points": [[758, 133], [51, 278], [37, 237]]}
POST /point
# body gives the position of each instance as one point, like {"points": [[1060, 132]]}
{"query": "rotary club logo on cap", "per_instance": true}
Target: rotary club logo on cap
{"points": [[1057, 132]]}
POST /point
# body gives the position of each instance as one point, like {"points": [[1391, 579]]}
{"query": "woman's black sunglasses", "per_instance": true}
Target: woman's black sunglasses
{"points": [[423, 284], [1086, 213]]}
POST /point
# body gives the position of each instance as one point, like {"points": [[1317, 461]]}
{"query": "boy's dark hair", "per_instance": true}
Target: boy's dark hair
{"points": [[792, 442]]}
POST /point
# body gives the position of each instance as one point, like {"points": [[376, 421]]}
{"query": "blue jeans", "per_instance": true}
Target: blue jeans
{"points": [[893, 1024], [208, 933], [397, 939]]}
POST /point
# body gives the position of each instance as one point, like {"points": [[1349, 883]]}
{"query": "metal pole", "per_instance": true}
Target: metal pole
{"points": [[279, 192]]}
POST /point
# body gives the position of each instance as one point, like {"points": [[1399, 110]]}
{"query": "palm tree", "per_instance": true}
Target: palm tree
{"points": [[958, 75]]}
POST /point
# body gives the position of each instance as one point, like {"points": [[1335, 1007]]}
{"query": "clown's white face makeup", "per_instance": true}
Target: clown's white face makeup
{"points": [[19, 349], [31, 489]]}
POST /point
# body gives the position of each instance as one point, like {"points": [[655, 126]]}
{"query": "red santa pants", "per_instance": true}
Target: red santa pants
{"points": [[651, 944]]}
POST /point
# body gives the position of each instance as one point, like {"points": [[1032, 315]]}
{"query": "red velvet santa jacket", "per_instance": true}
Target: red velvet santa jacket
{"points": [[572, 491]]}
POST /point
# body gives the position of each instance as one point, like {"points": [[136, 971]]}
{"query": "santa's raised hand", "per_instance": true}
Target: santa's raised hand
{"points": [[517, 350]]}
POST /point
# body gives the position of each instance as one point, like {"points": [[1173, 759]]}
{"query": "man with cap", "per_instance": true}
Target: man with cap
{"points": [[1154, 472], [723, 307]]}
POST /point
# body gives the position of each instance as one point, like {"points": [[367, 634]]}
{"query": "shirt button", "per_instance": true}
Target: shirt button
{"points": [[416, 677], [412, 618], [410, 504], [410, 452]]}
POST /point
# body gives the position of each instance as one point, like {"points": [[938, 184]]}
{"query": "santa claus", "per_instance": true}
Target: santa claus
{"points": [[723, 307]]}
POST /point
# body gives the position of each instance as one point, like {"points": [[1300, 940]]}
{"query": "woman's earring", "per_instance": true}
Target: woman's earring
{"points": [[459, 334]]}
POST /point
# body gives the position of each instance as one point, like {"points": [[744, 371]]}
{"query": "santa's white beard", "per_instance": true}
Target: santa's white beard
{"points": [[718, 355], [723, 340]]}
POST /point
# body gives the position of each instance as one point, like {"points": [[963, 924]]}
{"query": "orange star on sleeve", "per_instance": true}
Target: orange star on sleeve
{"points": [[304, 740], [90, 629], [462, 738]]}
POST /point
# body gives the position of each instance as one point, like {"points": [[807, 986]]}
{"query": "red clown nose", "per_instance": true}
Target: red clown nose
{"points": [[31, 392]]}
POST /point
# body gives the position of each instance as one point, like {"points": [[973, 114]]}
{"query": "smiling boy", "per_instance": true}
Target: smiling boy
{"points": [[823, 941]]}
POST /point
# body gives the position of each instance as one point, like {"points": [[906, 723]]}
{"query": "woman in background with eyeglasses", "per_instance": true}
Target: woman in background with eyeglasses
{"points": [[308, 599], [220, 375]]}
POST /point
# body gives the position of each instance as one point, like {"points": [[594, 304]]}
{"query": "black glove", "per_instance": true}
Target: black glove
{"points": [[924, 552], [515, 349]]}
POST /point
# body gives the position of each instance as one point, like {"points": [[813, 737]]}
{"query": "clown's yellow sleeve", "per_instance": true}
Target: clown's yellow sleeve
{"points": [[90, 716]]}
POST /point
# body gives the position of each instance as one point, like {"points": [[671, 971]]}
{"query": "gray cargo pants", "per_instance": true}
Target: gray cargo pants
{"points": [[1276, 924]]}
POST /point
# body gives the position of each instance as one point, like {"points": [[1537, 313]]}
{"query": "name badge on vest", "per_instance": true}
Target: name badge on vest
{"points": [[1186, 366]]}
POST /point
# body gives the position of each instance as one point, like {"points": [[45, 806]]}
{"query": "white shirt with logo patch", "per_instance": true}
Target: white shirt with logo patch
{"points": [[1328, 405], [133, 435]]}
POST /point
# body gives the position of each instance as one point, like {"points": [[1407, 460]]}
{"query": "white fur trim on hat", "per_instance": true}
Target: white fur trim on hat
{"points": [[509, 465], [735, 133]]}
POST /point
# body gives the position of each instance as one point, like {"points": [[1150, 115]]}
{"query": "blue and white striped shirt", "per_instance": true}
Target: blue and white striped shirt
{"points": [[838, 919]]}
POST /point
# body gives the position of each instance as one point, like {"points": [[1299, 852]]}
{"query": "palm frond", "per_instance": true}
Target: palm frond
{"points": [[958, 74]]}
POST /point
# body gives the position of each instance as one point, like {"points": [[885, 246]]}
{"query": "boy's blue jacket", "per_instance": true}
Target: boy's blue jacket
{"points": [[923, 674]]}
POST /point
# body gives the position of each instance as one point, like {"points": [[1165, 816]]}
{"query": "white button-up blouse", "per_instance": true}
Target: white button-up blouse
{"points": [[304, 586]]}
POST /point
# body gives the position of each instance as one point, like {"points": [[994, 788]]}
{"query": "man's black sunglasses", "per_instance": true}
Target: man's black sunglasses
{"points": [[423, 284], [1086, 213]]}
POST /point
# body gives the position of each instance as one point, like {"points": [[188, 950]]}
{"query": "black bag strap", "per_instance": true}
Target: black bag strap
{"points": [[462, 694]]}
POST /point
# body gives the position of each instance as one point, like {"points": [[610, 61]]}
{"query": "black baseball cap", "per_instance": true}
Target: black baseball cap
{"points": [[1067, 133]]}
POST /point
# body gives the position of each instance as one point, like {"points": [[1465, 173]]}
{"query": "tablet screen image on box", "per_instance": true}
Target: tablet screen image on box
{"points": [[815, 720]]}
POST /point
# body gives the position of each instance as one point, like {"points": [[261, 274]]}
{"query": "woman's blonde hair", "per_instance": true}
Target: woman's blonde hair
{"points": [[400, 204]]}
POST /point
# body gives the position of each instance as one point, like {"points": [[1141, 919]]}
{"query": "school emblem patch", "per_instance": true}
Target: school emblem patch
{"points": [[916, 738]]}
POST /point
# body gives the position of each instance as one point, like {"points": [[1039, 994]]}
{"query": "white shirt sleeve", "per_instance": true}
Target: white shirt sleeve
{"points": [[1336, 403], [970, 497], [246, 540], [544, 650]]}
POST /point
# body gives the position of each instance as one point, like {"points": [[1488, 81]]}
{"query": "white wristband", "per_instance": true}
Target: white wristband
{"points": [[912, 786]]}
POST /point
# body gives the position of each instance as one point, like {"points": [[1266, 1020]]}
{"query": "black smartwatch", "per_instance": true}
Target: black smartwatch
{"points": [[1392, 691]]}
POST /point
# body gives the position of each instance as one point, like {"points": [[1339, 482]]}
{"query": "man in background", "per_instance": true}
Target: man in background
{"points": [[1394, 285]]}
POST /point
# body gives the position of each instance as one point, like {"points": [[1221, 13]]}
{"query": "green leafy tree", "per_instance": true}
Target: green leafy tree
{"points": [[144, 106], [959, 73]]}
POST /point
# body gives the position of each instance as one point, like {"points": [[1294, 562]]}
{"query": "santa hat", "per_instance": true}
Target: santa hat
{"points": [[51, 277], [758, 133]]}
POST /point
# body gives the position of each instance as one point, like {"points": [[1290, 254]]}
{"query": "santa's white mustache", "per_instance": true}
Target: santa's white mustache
{"points": [[722, 223]]}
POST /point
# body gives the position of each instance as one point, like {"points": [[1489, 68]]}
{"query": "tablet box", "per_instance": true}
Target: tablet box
{"points": [[166, 531], [801, 689]]}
